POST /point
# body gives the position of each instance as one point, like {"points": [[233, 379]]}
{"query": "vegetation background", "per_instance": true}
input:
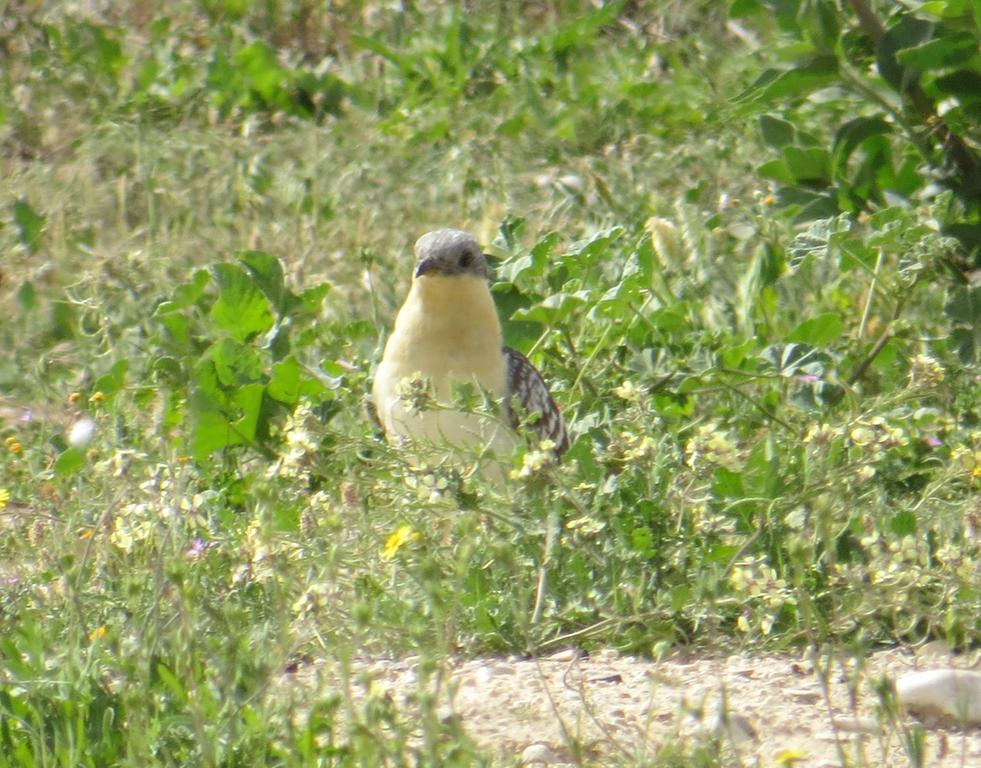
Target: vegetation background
{"points": [[742, 240]]}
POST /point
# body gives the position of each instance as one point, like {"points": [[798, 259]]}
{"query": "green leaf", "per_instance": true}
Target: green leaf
{"points": [[798, 82], [249, 401], [186, 294], [963, 309], [776, 170], [313, 298], [681, 595], [29, 223], [776, 132], [850, 136], [903, 523], [113, 381], [808, 165], [818, 394], [404, 63], [733, 356], [359, 329], [793, 360], [761, 473], [583, 28], [173, 683], [284, 385], [944, 9], [236, 364], [509, 232], [263, 73], [908, 32], [216, 428], [940, 52], [241, 308], [69, 462], [818, 331], [27, 296], [673, 318], [740, 9], [520, 335], [533, 264], [856, 253], [811, 204], [819, 19], [211, 432], [583, 253], [642, 541], [177, 325], [816, 240], [727, 484], [720, 553], [553, 309], [965, 84], [267, 273]]}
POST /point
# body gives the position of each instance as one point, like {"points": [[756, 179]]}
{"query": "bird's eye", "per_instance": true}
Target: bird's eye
{"points": [[466, 260]]}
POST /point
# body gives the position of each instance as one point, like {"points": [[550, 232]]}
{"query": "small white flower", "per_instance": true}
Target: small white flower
{"points": [[81, 433], [628, 391]]}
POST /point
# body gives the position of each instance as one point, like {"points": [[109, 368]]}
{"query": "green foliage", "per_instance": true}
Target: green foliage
{"points": [[227, 351], [890, 75], [30, 224], [770, 375]]}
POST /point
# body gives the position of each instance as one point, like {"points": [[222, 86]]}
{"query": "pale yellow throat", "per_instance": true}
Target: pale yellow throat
{"points": [[447, 331]]}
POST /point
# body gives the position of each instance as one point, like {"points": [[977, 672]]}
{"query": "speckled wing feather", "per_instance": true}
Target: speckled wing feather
{"points": [[527, 387]]}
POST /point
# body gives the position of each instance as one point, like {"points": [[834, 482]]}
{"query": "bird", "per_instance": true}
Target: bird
{"points": [[448, 333]]}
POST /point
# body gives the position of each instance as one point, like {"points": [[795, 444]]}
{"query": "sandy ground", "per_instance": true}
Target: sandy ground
{"points": [[617, 709]]}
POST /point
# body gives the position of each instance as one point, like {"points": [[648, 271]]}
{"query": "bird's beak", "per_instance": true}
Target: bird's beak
{"points": [[426, 266]]}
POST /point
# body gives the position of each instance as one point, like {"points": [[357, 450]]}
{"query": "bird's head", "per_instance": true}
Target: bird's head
{"points": [[449, 253]]}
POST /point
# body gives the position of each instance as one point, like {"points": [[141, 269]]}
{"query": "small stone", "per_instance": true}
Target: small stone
{"points": [[538, 753], [568, 654], [614, 678], [948, 693], [804, 695], [856, 725]]}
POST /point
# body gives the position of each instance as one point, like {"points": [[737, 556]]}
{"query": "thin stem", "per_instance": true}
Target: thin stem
{"points": [[871, 297]]}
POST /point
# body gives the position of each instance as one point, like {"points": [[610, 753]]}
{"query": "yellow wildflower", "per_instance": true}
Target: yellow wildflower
{"points": [[789, 757], [397, 539]]}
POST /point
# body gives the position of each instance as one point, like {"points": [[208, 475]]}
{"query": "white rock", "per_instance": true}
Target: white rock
{"points": [[538, 753], [856, 725], [566, 654], [952, 693], [483, 675], [81, 433]]}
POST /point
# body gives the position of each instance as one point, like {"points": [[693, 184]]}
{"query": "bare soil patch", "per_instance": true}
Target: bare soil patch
{"points": [[768, 710]]}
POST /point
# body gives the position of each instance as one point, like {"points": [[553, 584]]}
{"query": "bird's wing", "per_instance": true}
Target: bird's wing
{"points": [[527, 387]]}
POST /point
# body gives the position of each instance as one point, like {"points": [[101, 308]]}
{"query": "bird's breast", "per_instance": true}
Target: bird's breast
{"points": [[449, 337], [449, 333]]}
